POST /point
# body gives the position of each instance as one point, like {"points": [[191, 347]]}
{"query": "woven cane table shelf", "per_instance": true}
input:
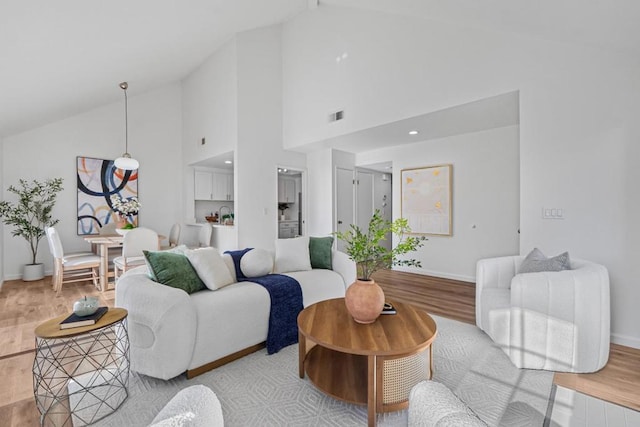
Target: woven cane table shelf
{"points": [[374, 365], [80, 375]]}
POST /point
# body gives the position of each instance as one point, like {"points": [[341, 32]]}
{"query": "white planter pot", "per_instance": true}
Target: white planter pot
{"points": [[33, 272]]}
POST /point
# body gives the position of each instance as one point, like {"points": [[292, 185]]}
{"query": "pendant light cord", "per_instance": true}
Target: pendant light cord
{"points": [[126, 122]]}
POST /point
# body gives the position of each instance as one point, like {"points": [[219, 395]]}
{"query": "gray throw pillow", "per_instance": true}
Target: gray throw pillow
{"points": [[536, 262]]}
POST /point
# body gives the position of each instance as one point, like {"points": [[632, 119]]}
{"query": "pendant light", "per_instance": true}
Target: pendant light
{"points": [[126, 162]]}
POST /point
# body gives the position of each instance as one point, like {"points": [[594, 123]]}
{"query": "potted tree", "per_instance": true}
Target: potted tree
{"points": [[30, 215], [364, 298]]}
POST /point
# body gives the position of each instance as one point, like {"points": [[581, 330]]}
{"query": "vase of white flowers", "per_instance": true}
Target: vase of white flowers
{"points": [[125, 210]]}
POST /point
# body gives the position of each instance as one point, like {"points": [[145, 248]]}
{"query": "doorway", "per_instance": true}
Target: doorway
{"points": [[344, 202], [359, 192], [290, 203]]}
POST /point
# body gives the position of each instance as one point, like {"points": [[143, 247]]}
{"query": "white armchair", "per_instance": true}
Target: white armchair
{"points": [[557, 321]]}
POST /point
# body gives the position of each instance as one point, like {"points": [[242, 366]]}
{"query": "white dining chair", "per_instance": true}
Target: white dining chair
{"points": [[174, 236], [66, 255], [78, 267], [135, 241], [204, 236]]}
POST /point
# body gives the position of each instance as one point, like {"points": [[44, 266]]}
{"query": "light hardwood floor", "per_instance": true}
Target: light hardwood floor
{"points": [[23, 305]]}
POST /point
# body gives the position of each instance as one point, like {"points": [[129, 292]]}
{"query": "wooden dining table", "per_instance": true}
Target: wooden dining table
{"points": [[101, 244]]}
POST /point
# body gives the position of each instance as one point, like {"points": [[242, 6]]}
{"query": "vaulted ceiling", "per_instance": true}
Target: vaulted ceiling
{"points": [[60, 58]]}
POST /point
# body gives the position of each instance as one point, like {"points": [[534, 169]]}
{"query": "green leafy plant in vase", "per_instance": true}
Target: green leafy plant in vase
{"points": [[31, 215], [364, 298]]}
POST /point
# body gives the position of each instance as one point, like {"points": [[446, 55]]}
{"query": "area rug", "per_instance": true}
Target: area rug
{"points": [[265, 390]]}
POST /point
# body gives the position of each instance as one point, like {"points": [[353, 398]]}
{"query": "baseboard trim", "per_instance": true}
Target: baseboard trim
{"points": [[191, 373], [625, 340], [424, 272], [19, 276]]}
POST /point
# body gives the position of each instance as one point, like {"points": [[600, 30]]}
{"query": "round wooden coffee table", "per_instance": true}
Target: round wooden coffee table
{"points": [[374, 365]]}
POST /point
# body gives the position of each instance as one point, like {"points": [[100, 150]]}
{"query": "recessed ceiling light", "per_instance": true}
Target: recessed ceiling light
{"points": [[388, 167], [228, 162], [413, 132]]}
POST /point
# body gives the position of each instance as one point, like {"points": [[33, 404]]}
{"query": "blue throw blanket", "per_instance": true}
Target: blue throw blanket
{"points": [[286, 304]]}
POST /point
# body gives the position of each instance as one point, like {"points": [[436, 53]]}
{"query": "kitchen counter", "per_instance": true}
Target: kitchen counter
{"points": [[213, 224], [223, 237]]}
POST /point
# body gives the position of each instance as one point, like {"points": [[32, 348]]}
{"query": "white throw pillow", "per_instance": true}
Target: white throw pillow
{"points": [[292, 255], [256, 263], [228, 261], [210, 267]]}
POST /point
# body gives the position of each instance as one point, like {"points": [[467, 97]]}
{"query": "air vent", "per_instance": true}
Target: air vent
{"points": [[338, 115]]}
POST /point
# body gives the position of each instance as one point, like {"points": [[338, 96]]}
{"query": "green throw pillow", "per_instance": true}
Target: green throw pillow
{"points": [[173, 269], [320, 252]]}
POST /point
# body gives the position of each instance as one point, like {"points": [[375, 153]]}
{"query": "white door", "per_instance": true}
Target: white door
{"points": [[344, 201], [364, 198]]}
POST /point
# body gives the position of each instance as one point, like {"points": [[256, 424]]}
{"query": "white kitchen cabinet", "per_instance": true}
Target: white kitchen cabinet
{"points": [[286, 190], [202, 185], [222, 186], [211, 185], [287, 229]]}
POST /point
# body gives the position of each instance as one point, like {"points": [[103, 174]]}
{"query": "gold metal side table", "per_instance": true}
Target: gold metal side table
{"points": [[80, 375]]}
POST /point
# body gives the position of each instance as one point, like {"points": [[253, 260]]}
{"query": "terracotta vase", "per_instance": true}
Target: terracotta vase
{"points": [[364, 300]]}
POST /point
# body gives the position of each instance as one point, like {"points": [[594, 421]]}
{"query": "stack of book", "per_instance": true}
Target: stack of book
{"points": [[388, 308], [75, 321]]}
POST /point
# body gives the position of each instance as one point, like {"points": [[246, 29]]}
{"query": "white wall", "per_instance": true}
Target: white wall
{"points": [[320, 190], [210, 107], [50, 151], [209, 111], [259, 150], [1, 226], [578, 119], [485, 198]]}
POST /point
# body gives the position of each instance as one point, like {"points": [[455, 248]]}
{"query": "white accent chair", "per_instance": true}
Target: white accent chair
{"points": [[135, 241], [556, 321], [79, 266]]}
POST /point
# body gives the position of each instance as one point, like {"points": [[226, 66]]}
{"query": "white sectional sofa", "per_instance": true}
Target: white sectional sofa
{"points": [[171, 332]]}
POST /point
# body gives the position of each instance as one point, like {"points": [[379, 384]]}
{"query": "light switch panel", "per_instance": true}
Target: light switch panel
{"points": [[552, 213]]}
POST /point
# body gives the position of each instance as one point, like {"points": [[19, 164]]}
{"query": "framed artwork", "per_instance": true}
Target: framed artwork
{"points": [[426, 199], [97, 181]]}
